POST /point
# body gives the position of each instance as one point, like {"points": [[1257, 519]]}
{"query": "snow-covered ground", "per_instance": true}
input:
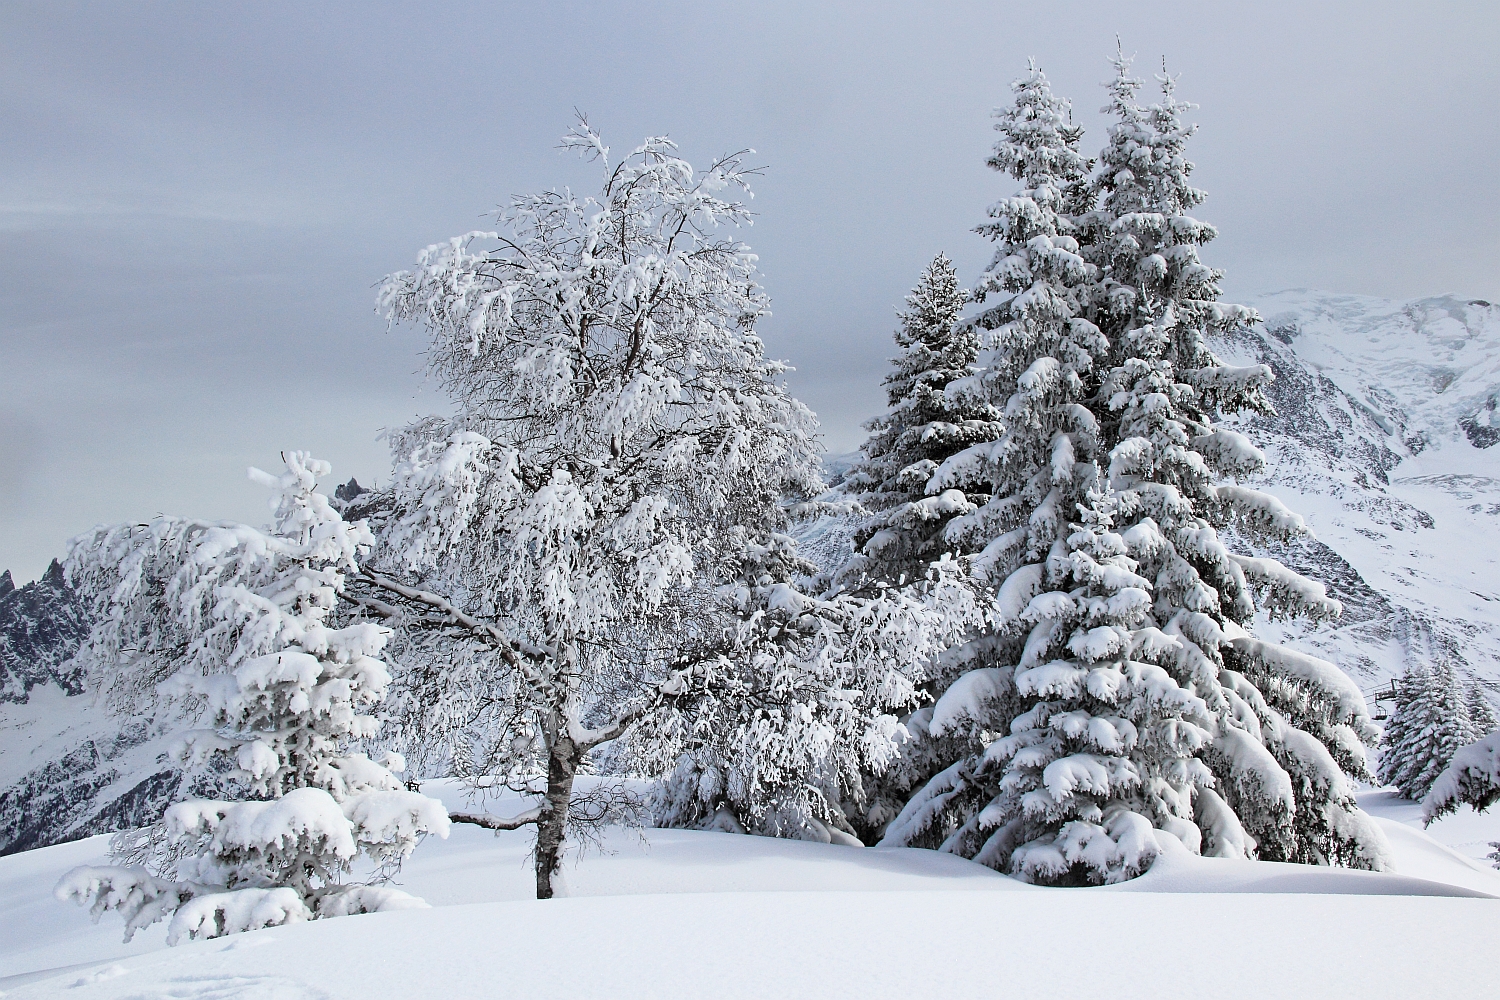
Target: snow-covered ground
{"points": [[678, 913]]}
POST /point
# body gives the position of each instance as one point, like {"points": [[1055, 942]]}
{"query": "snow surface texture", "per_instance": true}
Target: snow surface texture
{"points": [[654, 917]]}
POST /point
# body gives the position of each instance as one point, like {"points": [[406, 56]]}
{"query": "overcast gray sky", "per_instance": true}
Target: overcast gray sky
{"points": [[196, 200]]}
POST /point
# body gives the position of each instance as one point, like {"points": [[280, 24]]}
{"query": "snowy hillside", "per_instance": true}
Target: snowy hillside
{"points": [[684, 913], [1386, 441]]}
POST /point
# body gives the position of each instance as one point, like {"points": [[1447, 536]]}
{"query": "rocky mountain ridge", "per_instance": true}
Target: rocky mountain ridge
{"points": [[41, 625]]}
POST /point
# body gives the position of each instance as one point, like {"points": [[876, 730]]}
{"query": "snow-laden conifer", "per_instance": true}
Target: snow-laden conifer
{"points": [[1471, 778], [233, 626], [1482, 716], [1104, 749], [903, 532], [1283, 730], [1429, 725], [1169, 459], [1026, 481], [1011, 495]]}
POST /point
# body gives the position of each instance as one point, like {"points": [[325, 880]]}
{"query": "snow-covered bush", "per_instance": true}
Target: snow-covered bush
{"points": [[1430, 723], [777, 731], [231, 625], [1121, 690]]}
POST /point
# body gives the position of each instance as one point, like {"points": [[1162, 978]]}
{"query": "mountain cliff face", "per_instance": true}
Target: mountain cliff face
{"points": [[1386, 438], [66, 769], [41, 625]]}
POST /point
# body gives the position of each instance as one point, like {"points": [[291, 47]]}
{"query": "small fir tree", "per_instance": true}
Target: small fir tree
{"points": [[234, 625], [903, 534], [1482, 717], [1429, 725]]}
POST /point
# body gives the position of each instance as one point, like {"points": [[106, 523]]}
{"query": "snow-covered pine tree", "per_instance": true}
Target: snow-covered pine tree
{"points": [[903, 533], [232, 625], [1157, 406], [1285, 734], [1105, 749], [1482, 717], [1429, 724], [1023, 484], [1028, 481], [1471, 778], [621, 445]]}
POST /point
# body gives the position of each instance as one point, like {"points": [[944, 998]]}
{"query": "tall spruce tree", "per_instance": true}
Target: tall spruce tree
{"points": [[1037, 462], [1168, 460], [1120, 602]]}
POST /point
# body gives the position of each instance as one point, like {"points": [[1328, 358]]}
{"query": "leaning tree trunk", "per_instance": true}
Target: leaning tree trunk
{"points": [[562, 764]]}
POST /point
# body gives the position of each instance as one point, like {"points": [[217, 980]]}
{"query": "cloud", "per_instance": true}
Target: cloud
{"points": [[196, 202]]}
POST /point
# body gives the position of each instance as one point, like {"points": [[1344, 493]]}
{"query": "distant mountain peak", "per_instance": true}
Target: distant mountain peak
{"points": [[349, 490], [41, 625]]}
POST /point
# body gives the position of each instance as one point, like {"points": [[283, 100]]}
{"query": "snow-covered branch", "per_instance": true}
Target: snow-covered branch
{"points": [[489, 822]]}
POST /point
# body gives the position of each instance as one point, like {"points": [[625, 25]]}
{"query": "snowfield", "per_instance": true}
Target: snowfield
{"points": [[668, 913]]}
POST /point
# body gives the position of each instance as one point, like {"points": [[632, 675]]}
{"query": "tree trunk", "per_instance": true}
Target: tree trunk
{"points": [[562, 762]]}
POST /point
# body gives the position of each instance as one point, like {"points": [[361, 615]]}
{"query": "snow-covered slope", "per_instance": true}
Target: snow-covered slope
{"points": [[680, 913], [1387, 439]]}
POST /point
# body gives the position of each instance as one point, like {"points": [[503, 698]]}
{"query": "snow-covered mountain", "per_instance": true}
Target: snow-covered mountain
{"points": [[1387, 439], [67, 770], [41, 625]]}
